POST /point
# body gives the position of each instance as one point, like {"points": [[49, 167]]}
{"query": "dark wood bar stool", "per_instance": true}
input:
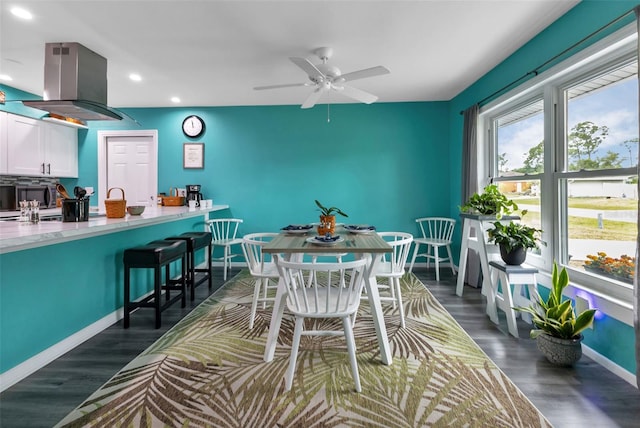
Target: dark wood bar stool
{"points": [[155, 255], [195, 242]]}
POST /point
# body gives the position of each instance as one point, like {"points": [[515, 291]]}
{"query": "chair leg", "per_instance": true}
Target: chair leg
{"points": [[224, 262], [351, 348], [265, 285], [294, 353], [254, 303], [436, 259], [396, 284], [415, 254], [453, 269]]}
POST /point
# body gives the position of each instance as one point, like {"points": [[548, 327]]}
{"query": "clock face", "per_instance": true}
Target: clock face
{"points": [[193, 126]]}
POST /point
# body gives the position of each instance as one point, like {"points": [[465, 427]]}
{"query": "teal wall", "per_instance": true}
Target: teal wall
{"points": [[379, 163], [610, 337]]}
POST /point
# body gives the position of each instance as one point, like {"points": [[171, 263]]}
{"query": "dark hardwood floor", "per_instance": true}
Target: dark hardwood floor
{"points": [[585, 395]]}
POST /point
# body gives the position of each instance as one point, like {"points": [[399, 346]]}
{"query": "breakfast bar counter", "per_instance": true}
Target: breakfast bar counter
{"points": [[63, 282], [16, 236]]}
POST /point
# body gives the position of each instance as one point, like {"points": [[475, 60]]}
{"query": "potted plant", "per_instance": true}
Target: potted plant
{"points": [[514, 240], [328, 218], [490, 202], [558, 331]]}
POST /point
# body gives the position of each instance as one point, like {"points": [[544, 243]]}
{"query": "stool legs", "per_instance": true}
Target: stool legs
{"points": [[155, 299], [127, 296]]}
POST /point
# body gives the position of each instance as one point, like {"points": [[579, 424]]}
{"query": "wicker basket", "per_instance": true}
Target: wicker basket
{"points": [[171, 200], [115, 208]]}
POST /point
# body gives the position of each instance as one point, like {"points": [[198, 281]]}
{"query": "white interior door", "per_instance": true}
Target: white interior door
{"points": [[129, 160]]}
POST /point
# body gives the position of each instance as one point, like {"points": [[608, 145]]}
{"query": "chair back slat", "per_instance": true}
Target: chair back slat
{"points": [[400, 243], [224, 228], [437, 228], [252, 249], [322, 289]]}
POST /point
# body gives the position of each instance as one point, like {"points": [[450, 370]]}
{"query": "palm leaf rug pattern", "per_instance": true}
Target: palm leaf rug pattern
{"points": [[208, 371]]}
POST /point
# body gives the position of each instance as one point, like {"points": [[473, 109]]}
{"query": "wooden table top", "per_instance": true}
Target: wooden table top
{"points": [[351, 243]]}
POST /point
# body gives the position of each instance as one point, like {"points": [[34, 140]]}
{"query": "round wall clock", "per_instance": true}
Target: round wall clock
{"points": [[193, 126]]}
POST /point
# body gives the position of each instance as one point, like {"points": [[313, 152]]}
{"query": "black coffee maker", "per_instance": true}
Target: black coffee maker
{"points": [[193, 194]]}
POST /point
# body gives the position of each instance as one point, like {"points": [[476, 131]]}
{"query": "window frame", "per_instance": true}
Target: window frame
{"points": [[610, 52]]}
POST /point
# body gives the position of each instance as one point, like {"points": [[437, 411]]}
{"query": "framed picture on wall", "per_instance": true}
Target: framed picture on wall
{"points": [[193, 155]]}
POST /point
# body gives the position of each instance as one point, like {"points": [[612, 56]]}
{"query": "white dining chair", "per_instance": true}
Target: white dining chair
{"points": [[391, 266], [223, 234], [323, 290], [437, 232], [262, 268]]}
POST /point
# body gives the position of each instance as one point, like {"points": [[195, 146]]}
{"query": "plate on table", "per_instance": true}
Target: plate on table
{"points": [[326, 241], [300, 229], [360, 228]]}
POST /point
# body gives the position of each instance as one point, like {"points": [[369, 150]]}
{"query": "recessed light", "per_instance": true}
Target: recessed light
{"points": [[5, 77], [21, 13], [135, 77], [175, 100]]}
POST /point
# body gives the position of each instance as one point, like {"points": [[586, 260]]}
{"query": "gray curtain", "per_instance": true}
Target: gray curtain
{"points": [[636, 293], [470, 152], [473, 274]]}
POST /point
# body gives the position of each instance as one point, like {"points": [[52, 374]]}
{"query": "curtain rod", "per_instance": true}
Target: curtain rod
{"points": [[536, 71]]}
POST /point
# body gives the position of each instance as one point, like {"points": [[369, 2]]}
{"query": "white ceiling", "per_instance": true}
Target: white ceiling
{"points": [[212, 53]]}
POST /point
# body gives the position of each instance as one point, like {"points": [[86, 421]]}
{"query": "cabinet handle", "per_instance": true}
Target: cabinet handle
{"points": [[42, 167], [49, 168]]}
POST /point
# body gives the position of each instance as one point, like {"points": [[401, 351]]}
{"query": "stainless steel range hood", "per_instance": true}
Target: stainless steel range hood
{"points": [[75, 83]]}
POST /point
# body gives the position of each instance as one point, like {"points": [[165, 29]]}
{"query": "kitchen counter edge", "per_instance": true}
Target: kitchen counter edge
{"points": [[16, 236]]}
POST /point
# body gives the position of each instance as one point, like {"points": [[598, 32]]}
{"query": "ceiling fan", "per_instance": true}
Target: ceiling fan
{"points": [[324, 78]]}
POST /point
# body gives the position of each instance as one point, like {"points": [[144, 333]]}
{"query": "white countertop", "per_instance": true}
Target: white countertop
{"points": [[16, 236]]}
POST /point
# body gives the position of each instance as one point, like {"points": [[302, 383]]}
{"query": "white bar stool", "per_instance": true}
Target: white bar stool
{"points": [[522, 277]]}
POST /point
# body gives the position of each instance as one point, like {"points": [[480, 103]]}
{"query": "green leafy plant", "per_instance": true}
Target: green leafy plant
{"points": [[490, 202], [330, 211], [515, 235], [556, 317]]}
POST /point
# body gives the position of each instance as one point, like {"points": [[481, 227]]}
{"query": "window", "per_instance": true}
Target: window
{"points": [[564, 147]]}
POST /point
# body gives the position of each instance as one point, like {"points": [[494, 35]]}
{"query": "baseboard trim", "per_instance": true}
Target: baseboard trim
{"points": [[610, 365], [38, 361]]}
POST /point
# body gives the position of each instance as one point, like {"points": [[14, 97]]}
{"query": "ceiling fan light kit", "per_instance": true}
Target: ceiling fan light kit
{"points": [[327, 77]]}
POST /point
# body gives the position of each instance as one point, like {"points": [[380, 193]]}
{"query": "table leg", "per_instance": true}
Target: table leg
{"points": [[276, 319], [376, 310]]}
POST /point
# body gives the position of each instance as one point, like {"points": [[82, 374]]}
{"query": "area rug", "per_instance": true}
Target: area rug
{"points": [[208, 371]]}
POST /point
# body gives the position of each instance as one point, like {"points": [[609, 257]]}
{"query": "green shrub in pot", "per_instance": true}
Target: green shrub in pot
{"points": [[490, 202], [558, 330], [554, 316]]}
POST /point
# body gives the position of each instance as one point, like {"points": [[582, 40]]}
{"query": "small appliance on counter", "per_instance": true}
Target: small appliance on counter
{"points": [[11, 195], [193, 193]]}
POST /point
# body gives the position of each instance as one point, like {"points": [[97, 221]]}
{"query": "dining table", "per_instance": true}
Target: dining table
{"points": [[362, 244]]}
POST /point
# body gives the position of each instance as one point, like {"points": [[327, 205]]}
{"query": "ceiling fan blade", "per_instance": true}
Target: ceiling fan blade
{"points": [[361, 74], [307, 66], [356, 94], [314, 97], [289, 85]]}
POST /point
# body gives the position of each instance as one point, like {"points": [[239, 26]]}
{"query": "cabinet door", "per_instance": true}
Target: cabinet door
{"points": [[25, 152], [3, 143], [61, 150]]}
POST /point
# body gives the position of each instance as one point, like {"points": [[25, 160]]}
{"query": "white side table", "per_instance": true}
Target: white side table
{"points": [[523, 278], [479, 224]]}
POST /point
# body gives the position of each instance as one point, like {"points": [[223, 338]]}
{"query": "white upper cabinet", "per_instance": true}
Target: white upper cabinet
{"points": [[61, 150], [37, 148], [3, 143]]}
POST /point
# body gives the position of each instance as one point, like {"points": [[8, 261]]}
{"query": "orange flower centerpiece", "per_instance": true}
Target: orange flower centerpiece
{"points": [[328, 219], [622, 268]]}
